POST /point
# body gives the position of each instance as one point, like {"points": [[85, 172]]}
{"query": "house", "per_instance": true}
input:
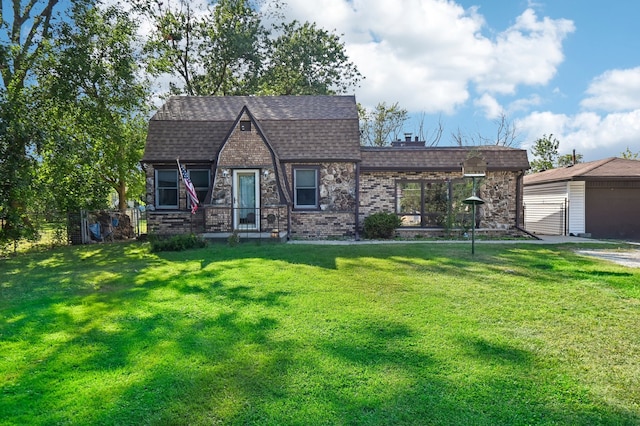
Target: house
{"points": [[293, 167], [599, 198]]}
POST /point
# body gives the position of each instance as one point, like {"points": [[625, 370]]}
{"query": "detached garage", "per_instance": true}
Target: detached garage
{"points": [[600, 198]]}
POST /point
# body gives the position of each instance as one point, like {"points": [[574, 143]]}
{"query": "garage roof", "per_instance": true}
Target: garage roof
{"points": [[612, 168]]}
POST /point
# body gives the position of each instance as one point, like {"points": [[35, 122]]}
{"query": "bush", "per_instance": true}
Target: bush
{"points": [[176, 242], [381, 225]]}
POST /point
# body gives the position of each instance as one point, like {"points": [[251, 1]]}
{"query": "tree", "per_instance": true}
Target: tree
{"points": [[431, 138], [630, 155], [545, 151], [307, 60], [382, 125], [213, 52], [100, 110], [506, 135], [233, 49], [25, 33], [569, 159], [228, 50]]}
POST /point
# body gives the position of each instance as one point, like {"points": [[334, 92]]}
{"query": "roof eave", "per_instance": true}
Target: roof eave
{"points": [[434, 169]]}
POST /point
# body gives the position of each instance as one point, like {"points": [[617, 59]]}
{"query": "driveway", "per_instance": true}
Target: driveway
{"points": [[630, 258]]}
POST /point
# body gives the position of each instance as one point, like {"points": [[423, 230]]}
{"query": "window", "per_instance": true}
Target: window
{"points": [[409, 199], [436, 204], [200, 179], [433, 204], [305, 182], [167, 189]]}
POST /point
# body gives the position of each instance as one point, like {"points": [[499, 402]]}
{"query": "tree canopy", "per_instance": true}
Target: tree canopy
{"points": [[25, 33], [229, 50], [630, 155], [101, 101], [546, 156], [382, 125], [72, 104], [545, 152]]}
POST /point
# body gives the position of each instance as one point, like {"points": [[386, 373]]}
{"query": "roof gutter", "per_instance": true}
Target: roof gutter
{"points": [[434, 169]]}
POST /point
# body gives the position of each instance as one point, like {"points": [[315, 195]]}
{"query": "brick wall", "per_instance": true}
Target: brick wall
{"points": [[245, 149], [319, 225], [174, 222], [497, 189]]}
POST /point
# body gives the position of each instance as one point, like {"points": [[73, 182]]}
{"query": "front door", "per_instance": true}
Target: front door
{"points": [[246, 199]]}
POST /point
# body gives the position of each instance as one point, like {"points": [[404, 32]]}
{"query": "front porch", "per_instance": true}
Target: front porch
{"points": [[220, 222]]}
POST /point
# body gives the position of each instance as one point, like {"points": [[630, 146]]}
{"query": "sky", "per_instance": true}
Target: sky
{"points": [[570, 68]]}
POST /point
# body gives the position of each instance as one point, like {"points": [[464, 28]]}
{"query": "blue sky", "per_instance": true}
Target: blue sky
{"points": [[570, 68]]}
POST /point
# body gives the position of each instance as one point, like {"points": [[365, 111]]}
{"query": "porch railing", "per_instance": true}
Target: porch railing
{"points": [[246, 219]]}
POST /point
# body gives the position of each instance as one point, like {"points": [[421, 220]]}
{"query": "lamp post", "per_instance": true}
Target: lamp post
{"points": [[474, 167], [474, 201]]}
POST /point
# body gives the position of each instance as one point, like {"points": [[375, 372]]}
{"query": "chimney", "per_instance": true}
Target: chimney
{"points": [[407, 137]]}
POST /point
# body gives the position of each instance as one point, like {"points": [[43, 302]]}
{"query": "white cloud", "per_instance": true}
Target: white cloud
{"points": [[426, 54], [528, 53], [492, 109], [593, 135], [523, 104], [615, 90]]}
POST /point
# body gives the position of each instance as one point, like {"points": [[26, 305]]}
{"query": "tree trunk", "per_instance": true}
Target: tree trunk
{"points": [[122, 195]]}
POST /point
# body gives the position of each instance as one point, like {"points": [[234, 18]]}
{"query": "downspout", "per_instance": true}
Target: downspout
{"points": [[519, 197], [357, 221], [283, 168]]}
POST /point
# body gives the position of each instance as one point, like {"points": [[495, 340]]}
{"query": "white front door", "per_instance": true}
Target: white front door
{"points": [[246, 199]]}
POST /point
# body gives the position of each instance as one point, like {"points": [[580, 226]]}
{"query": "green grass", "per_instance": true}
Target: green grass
{"points": [[301, 334]]}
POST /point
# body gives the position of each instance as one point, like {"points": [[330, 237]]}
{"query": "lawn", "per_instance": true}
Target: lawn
{"points": [[301, 334]]}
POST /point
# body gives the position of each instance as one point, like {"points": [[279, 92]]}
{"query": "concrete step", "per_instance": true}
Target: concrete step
{"points": [[245, 236]]}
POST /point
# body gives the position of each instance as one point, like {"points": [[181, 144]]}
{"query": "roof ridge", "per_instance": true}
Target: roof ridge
{"points": [[594, 165]]}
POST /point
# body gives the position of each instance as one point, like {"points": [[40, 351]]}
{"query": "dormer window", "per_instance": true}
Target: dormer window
{"points": [[245, 126]]}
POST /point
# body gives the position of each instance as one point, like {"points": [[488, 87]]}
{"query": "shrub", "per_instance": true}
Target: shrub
{"points": [[381, 225], [177, 242]]}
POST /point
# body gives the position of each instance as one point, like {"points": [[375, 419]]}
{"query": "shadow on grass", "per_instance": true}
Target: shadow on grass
{"points": [[169, 340]]}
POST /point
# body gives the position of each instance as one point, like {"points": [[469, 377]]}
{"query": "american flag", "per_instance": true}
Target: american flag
{"points": [[191, 191]]}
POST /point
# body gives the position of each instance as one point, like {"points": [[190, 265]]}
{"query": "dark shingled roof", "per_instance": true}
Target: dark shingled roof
{"points": [[607, 169], [316, 128], [299, 128], [442, 158]]}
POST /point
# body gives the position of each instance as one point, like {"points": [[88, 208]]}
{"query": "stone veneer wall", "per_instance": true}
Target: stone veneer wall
{"points": [[245, 150], [336, 216], [497, 189]]}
